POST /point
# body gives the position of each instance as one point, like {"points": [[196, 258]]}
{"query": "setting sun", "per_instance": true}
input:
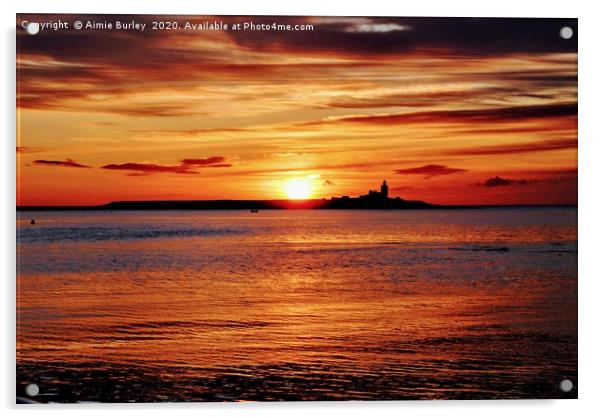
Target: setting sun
{"points": [[298, 189]]}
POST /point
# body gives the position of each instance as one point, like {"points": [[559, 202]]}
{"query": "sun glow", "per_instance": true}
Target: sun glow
{"points": [[298, 188]]}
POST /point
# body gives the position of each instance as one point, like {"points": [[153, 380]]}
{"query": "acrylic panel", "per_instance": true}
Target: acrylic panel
{"points": [[269, 208]]}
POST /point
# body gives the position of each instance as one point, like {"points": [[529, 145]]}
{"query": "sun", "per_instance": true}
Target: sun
{"points": [[298, 189]]}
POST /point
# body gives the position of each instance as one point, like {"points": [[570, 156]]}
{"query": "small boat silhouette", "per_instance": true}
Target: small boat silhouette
{"points": [[254, 210], [33, 222]]}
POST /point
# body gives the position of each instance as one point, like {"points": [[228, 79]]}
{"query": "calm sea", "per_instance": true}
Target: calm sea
{"points": [[297, 305]]}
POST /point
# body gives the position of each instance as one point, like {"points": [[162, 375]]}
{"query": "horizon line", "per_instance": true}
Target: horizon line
{"points": [[107, 206]]}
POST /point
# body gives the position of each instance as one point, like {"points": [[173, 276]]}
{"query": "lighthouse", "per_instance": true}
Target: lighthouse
{"points": [[384, 190]]}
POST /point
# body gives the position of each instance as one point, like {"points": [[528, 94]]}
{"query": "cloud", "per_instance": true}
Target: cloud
{"points": [[492, 115], [190, 132], [186, 166], [399, 36], [547, 145], [377, 27], [430, 170], [67, 163], [201, 162], [357, 166], [150, 168], [336, 66], [499, 182], [29, 150], [157, 110], [474, 88], [344, 36], [409, 98], [540, 78]]}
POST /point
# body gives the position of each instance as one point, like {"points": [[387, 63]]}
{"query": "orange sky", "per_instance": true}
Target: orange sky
{"points": [[450, 111]]}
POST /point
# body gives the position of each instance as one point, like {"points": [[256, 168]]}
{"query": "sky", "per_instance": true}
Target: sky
{"points": [[447, 110]]}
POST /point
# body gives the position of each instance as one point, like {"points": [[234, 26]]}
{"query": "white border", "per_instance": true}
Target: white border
{"points": [[590, 233]]}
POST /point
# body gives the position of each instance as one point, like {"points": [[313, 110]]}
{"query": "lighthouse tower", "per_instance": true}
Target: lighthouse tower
{"points": [[384, 190]]}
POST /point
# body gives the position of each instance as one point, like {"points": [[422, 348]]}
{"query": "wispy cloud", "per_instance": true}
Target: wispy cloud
{"points": [[377, 27], [205, 162], [67, 163], [517, 148], [150, 168], [500, 182], [481, 115], [431, 170], [392, 36], [186, 166]]}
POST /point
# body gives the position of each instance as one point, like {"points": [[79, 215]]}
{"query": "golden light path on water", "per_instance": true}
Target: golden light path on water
{"points": [[157, 306]]}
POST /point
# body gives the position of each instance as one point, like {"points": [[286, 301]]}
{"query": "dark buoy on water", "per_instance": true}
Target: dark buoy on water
{"points": [[33, 222]]}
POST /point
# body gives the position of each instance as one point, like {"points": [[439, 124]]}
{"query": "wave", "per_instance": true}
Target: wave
{"points": [[485, 248], [50, 234]]}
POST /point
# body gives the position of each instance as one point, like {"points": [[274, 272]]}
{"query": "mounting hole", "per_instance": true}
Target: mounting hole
{"points": [[566, 32], [32, 28], [32, 389], [566, 385]]}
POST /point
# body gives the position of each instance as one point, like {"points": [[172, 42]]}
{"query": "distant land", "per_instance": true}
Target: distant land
{"points": [[373, 200], [261, 205], [351, 203], [336, 203]]}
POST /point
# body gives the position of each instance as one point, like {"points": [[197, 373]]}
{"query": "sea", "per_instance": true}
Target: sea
{"points": [[174, 306]]}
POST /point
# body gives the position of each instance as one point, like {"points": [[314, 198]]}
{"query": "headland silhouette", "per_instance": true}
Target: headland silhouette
{"points": [[372, 200]]}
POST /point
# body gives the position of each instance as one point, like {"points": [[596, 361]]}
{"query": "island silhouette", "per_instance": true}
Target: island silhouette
{"points": [[374, 199]]}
